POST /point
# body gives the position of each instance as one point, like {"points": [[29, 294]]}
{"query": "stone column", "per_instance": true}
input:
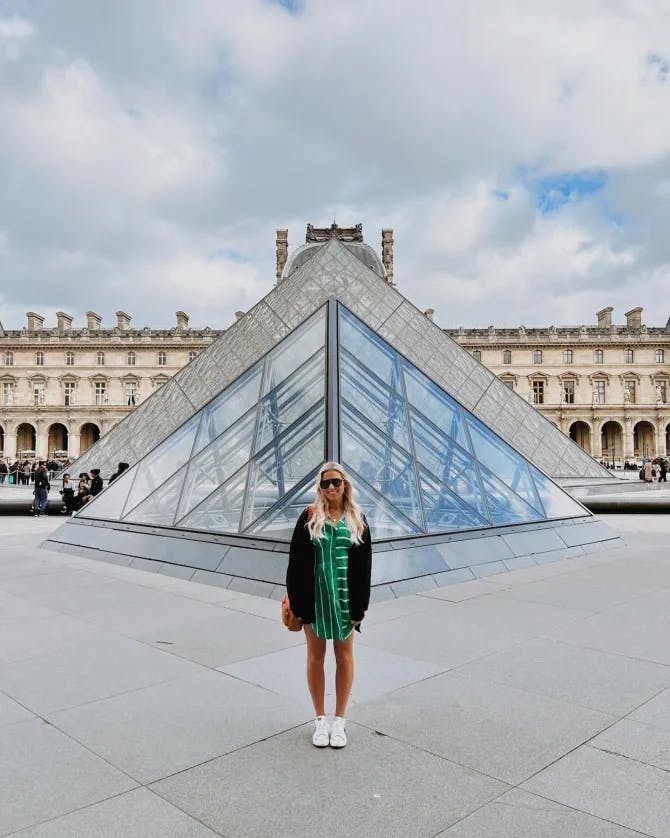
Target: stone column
{"points": [[282, 251], [72, 442], [10, 446], [41, 441], [628, 447], [660, 436], [596, 439]]}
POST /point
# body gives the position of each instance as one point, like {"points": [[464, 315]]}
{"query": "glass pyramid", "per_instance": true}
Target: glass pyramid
{"points": [[246, 462]]}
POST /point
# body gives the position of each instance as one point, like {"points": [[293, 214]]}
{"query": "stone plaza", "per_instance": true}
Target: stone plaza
{"points": [[534, 702]]}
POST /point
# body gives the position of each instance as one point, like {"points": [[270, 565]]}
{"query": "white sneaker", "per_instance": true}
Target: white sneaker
{"points": [[338, 738], [320, 737]]}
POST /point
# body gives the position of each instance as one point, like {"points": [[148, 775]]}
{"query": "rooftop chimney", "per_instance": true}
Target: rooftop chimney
{"points": [[182, 320], [35, 321], [93, 321], [605, 317], [634, 318], [63, 321], [282, 251], [387, 254], [123, 320]]}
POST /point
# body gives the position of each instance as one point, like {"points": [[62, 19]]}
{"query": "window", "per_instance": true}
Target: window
{"points": [[131, 388], [9, 359], [628, 356], [100, 359], [537, 359], [38, 393], [599, 392], [660, 356], [69, 358], [538, 392], [597, 356], [8, 393], [476, 354], [162, 359], [101, 392], [508, 382], [507, 356], [70, 388], [567, 356], [39, 359], [192, 355], [131, 358], [569, 392], [629, 392]]}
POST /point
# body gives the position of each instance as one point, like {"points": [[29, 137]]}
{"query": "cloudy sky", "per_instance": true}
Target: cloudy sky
{"points": [[150, 148]]}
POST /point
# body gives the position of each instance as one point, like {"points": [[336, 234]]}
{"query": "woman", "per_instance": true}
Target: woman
{"points": [[328, 585]]}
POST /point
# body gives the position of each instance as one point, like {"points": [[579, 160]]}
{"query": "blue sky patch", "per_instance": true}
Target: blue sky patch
{"points": [[554, 191], [501, 194], [295, 7], [659, 65]]}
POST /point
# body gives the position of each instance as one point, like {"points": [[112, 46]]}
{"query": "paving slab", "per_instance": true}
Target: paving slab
{"points": [[518, 814], [376, 787], [165, 728], [609, 786], [136, 814], [88, 672], [11, 711], [656, 711], [642, 742], [590, 678], [43, 774], [501, 731], [45, 636], [378, 673]]}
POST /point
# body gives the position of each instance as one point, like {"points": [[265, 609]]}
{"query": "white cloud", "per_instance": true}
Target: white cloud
{"points": [[138, 142]]}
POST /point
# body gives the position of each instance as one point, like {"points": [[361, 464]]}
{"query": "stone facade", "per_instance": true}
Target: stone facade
{"points": [[607, 386], [62, 387]]}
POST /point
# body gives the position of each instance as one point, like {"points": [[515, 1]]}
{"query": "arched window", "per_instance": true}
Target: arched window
{"points": [[598, 356], [567, 356], [660, 356], [476, 354], [131, 359], [69, 358], [507, 356], [191, 355], [162, 359], [39, 359], [100, 359], [9, 359], [628, 356], [537, 359]]}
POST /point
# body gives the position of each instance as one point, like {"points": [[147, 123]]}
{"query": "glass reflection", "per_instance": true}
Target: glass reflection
{"points": [[443, 509], [110, 503], [556, 502], [226, 408], [294, 350], [363, 343], [438, 407], [159, 507], [220, 512]]}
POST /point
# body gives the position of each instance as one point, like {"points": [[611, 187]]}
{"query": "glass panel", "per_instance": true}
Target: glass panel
{"points": [[280, 523], [503, 461], [444, 511], [109, 504], [506, 506], [284, 463], [163, 461], [557, 504], [220, 512], [295, 350], [424, 395], [288, 402], [383, 519], [363, 343], [446, 461], [373, 399], [228, 406], [387, 468], [217, 463], [159, 507]]}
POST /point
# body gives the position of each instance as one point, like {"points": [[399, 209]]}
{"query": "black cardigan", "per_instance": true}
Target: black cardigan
{"points": [[300, 574]]}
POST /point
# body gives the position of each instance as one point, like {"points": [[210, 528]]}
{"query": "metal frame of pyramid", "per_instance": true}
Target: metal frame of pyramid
{"points": [[137, 520]]}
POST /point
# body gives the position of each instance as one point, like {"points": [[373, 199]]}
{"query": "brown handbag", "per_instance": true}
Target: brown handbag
{"points": [[288, 618]]}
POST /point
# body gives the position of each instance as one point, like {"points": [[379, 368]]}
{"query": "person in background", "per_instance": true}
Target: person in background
{"points": [[83, 489], [4, 471], [96, 482], [119, 471], [67, 493], [41, 490]]}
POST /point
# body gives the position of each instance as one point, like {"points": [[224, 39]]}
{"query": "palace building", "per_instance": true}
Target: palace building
{"points": [[63, 386]]}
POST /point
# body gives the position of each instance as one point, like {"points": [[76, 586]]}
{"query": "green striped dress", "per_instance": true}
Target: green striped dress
{"points": [[331, 590]]}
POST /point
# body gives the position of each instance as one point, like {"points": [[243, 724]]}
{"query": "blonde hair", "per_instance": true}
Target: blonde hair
{"points": [[352, 512]]}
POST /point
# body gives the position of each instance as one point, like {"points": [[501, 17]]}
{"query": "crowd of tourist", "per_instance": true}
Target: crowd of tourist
{"points": [[74, 496], [22, 472]]}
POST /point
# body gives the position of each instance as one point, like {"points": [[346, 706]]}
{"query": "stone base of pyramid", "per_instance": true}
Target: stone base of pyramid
{"points": [[400, 566]]}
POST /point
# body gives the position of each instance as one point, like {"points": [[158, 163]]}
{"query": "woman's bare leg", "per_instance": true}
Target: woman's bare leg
{"points": [[344, 673], [316, 676]]}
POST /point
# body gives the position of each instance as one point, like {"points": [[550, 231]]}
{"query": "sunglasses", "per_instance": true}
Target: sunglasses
{"points": [[334, 481]]}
